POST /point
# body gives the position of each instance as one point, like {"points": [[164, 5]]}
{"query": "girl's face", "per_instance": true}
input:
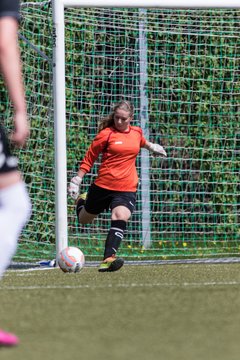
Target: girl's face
{"points": [[122, 120]]}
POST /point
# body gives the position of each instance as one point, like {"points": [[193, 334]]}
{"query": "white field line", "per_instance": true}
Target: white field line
{"points": [[131, 285], [29, 270]]}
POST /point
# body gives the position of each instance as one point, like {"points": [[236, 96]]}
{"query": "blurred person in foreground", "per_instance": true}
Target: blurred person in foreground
{"points": [[15, 205]]}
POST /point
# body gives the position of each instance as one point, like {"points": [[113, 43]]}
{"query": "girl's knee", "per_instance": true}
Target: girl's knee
{"points": [[121, 213]]}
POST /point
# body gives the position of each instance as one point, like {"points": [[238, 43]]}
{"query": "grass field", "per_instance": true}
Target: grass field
{"points": [[169, 312]]}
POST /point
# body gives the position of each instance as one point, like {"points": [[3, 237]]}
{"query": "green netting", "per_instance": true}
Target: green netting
{"points": [[193, 93]]}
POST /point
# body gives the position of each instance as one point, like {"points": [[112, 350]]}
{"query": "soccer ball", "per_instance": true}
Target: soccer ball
{"points": [[71, 259]]}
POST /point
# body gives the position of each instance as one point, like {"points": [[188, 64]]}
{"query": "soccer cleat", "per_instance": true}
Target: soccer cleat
{"points": [[111, 264], [8, 339], [80, 202], [82, 196]]}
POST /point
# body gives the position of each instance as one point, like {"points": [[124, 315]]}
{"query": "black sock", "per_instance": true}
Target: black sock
{"points": [[114, 238]]}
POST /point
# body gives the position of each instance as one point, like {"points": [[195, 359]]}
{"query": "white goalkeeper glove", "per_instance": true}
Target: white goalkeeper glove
{"points": [[157, 149], [73, 189]]}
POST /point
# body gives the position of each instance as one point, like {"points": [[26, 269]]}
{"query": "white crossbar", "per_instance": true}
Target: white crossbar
{"points": [[152, 3]]}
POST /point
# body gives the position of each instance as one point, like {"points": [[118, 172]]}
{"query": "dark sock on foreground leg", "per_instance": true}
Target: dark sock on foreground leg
{"points": [[114, 238]]}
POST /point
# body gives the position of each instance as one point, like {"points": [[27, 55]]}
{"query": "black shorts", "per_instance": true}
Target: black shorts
{"points": [[9, 8], [100, 199], [7, 161]]}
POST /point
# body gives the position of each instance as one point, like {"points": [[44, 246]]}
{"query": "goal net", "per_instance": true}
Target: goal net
{"points": [[180, 69]]}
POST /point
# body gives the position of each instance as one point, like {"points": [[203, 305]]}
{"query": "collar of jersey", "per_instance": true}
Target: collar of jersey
{"points": [[121, 132]]}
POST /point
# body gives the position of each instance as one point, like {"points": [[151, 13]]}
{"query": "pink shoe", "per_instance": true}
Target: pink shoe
{"points": [[8, 339]]}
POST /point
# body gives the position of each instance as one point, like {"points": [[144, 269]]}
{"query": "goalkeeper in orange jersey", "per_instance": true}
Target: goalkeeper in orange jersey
{"points": [[115, 186]]}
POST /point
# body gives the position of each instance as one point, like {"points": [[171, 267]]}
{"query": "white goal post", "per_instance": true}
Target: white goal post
{"points": [[59, 86]]}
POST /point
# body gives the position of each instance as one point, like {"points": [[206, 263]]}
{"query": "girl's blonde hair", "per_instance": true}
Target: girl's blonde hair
{"points": [[109, 120]]}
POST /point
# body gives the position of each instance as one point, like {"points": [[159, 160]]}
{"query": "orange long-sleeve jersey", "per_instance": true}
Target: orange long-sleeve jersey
{"points": [[118, 165]]}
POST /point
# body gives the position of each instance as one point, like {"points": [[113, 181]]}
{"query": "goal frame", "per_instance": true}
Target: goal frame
{"points": [[59, 95]]}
